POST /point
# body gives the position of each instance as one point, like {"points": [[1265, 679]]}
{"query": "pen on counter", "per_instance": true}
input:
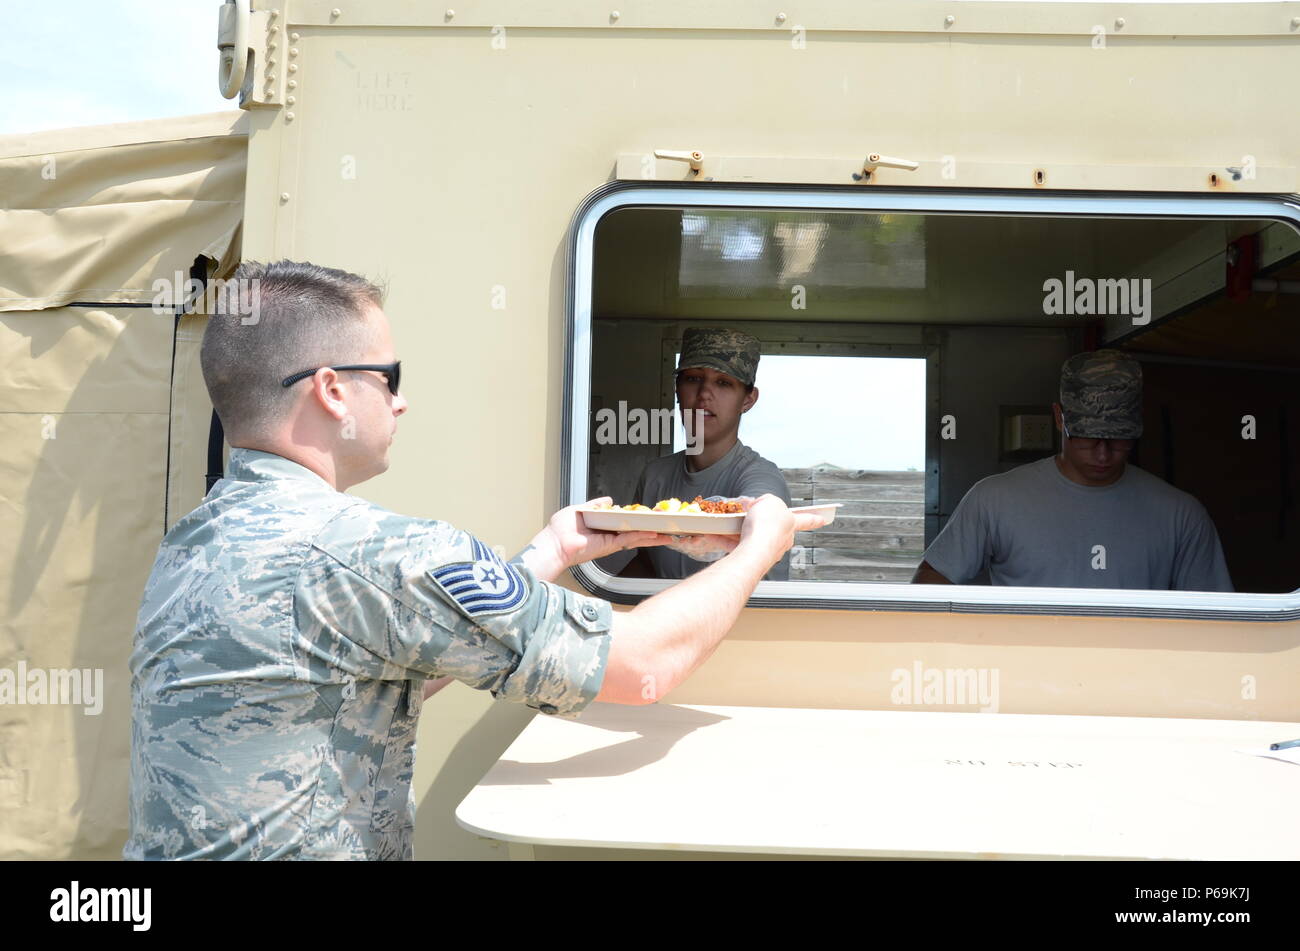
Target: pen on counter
{"points": [[1286, 745]]}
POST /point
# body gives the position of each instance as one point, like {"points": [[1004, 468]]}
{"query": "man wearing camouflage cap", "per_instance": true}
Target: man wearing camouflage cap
{"points": [[715, 387], [1084, 518], [289, 631]]}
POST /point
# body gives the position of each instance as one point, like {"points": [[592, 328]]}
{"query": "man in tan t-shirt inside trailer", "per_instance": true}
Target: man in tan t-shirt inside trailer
{"points": [[1086, 518]]}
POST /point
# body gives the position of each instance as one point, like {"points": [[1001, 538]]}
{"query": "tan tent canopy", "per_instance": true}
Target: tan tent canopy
{"points": [[93, 467]]}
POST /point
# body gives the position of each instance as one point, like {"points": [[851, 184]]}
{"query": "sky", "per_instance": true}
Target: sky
{"points": [[853, 412], [89, 62]]}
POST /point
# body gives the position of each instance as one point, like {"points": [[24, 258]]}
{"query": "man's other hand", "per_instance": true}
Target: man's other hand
{"points": [[770, 526], [567, 541], [926, 574], [578, 543]]}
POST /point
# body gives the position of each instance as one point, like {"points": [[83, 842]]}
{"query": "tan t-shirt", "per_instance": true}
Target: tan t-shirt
{"points": [[741, 471], [1033, 527]]}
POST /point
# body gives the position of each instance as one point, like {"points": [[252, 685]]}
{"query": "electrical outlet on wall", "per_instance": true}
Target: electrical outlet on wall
{"points": [[1030, 432], [1026, 432]]}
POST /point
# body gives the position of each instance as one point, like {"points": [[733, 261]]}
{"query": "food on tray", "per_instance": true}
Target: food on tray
{"points": [[719, 508], [678, 507], [698, 506], [675, 517]]}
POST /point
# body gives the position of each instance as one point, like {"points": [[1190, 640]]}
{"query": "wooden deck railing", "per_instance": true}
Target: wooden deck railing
{"points": [[878, 533]]}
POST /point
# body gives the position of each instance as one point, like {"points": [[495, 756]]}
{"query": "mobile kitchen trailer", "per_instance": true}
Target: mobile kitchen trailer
{"points": [[552, 192]]}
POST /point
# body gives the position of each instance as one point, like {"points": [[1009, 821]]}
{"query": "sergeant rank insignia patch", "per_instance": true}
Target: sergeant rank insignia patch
{"points": [[486, 585]]}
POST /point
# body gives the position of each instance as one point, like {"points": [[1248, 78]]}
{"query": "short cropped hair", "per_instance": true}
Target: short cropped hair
{"points": [[275, 320]]}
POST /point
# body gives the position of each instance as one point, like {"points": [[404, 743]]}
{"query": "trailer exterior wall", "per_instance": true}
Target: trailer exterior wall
{"points": [[447, 157]]}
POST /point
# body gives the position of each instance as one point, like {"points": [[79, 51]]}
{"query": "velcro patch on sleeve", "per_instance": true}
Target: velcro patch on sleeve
{"points": [[484, 586]]}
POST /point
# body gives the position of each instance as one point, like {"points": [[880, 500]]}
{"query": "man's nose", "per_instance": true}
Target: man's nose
{"points": [[400, 405]]}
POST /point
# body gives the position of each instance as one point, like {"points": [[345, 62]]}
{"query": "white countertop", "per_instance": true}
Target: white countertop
{"points": [[893, 783]]}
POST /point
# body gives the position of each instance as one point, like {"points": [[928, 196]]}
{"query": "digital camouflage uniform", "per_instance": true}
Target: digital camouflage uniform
{"points": [[727, 351], [1101, 395], [280, 655]]}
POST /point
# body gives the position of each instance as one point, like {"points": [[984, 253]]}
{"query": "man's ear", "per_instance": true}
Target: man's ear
{"points": [[750, 399], [327, 387], [1056, 415]]}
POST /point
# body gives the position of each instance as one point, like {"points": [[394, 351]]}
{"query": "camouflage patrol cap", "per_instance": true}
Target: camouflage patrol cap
{"points": [[727, 351], [1101, 395]]}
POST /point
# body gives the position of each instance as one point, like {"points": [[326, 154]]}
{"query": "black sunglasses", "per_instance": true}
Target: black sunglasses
{"points": [[392, 372]]}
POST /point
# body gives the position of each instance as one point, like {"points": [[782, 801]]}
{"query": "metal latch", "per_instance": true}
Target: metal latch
{"points": [[232, 44], [695, 158], [875, 160]]}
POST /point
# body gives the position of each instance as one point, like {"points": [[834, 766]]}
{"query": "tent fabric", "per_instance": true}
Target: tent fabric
{"points": [[101, 224], [103, 417]]}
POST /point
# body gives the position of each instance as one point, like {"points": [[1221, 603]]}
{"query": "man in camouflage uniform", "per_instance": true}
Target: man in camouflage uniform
{"points": [[715, 388], [288, 630], [1085, 518]]}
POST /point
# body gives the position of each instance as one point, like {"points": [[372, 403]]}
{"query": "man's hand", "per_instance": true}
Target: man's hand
{"points": [[770, 526], [703, 547], [697, 546], [709, 547], [927, 574], [433, 686], [668, 636], [567, 541]]}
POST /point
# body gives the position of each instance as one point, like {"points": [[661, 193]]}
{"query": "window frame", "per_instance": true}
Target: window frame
{"points": [[890, 596]]}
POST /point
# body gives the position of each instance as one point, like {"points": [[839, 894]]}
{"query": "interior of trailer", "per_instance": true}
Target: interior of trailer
{"points": [[907, 356]]}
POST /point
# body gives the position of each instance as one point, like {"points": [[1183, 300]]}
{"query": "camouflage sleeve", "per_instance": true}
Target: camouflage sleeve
{"points": [[415, 595]]}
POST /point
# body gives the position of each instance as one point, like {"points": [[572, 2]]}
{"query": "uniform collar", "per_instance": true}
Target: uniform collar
{"points": [[254, 465]]}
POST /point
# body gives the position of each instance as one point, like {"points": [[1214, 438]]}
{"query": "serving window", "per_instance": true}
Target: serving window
{"points": [[912, 346]]}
